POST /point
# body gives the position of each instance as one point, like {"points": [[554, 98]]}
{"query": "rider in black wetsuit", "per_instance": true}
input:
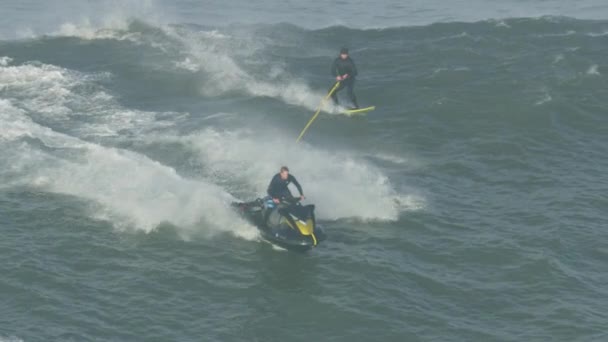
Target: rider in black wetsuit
{"points": [[345, 72], [277, 189]]}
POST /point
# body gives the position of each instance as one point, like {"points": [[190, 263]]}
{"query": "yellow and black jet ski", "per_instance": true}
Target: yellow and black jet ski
{"points": [[289, 224]]}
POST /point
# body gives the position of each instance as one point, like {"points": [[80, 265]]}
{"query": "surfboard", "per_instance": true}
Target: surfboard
{"points": [[359, 110]]}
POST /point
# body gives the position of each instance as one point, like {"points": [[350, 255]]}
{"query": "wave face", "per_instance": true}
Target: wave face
{"points": [[469, 206], [34, 17]]}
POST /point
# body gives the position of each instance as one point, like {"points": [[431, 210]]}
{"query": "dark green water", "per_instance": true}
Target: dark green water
{"points": [[470, 206]]}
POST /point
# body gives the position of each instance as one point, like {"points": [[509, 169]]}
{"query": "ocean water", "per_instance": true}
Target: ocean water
{"points": [[471, 205]]}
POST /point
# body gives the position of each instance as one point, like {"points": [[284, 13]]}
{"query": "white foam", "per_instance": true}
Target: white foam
{"points": [[546, 97], [93, 20], [138, 191], [561, 34], [114, 26], [395, 159], [214, 53], [10, 339], [463, 34], [187, 64], [315, 16], [4, 61], [130, 189], [56, 94], [43, 88], [15, 124], [86, 30], [341, 184], [410, 202], [502, 23], [598, 34], [593, 70], [558, 58], [277, 248]]}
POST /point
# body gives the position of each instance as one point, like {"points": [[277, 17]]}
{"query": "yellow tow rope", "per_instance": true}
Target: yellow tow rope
{"points": [[318, 110]]}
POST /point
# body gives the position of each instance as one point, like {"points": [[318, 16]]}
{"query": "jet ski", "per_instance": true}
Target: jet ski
{"points": [[289, 224]]}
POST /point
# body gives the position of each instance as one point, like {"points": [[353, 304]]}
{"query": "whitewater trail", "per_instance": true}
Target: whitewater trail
{"points": [[132, 189], [342, 184], [211, 54]]}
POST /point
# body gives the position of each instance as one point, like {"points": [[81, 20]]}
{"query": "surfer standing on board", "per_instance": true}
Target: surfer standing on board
{"points": [[345, 71]]}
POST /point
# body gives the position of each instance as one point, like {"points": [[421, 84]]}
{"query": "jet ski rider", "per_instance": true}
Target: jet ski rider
{"points": [[278, 190]]}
